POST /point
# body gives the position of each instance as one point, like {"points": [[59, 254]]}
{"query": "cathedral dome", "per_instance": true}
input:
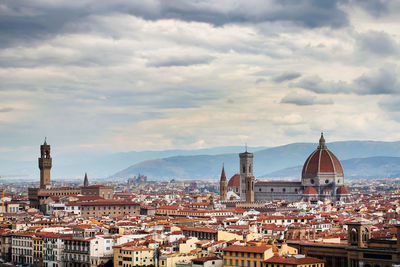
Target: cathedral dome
{"points": [[234, 181], [322, 167]]}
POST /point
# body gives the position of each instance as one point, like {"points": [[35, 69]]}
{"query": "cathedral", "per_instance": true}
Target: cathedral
{"points": [[321, 179]]}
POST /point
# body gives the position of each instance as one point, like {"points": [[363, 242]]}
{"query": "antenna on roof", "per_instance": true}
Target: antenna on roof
{"points": [[246, 147]]}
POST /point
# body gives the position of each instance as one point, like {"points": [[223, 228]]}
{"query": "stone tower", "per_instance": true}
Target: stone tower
{"points": [[85, 181], [45, 164], [249, 189], [359, 232], [223, 185], [246, 170]]}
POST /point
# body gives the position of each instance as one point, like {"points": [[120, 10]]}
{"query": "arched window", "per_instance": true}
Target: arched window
{"points": [[353, 235], [244, 168], [250, 168], [365, 235], [272, 190]]}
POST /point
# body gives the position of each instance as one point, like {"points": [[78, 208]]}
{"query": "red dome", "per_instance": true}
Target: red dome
{"points": [[234, 181], [310, 191], [322, 160], [343, 191]]}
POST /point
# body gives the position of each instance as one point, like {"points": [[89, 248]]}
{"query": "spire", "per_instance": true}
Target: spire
{"points": [[45, 141], [85, 181], [223, 176], [322, 144]]}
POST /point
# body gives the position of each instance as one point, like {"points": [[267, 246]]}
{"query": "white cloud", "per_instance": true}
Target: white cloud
{"points": [[143, 78]]}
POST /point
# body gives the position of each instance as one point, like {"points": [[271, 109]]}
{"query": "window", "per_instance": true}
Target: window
{"points": [[312, 181], [326, 181]]}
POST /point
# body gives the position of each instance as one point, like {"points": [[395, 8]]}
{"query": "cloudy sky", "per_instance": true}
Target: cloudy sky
{"points": [[121, 75]]}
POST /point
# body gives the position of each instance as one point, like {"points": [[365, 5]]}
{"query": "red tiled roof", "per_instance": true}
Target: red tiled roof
{"points": [[234, 181], [343, 191], [310, 191], [254, 249], [293, 260], [199, 229], [322, 160]]}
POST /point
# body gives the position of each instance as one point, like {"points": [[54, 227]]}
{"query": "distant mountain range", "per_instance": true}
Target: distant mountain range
{"points": [[74, 165], [368, 159]]}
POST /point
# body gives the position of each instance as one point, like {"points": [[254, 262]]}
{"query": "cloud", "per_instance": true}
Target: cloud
{"points": [[32, 21], [383, 81], [374, 7], [391, 104], [4, 110], [304, 100], [317, 85], [182, 61], [287, 76], [377, 42]]}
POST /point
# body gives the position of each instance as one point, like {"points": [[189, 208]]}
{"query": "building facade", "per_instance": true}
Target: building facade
{"points": [[322, 179], [39, 198]]}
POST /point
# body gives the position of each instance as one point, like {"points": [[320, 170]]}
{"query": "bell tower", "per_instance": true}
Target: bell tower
{"points": [[250, 189], [246, 170], [359, 232], [45, 164]]}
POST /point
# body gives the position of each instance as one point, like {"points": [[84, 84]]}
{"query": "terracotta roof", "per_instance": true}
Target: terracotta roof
{"points": [[322, 160], [293, 260], [310, 191], [254, 249], [234, 181], [199, 229], [343, 191]]}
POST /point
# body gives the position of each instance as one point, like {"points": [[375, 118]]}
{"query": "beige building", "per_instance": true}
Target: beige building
{"points": [[170, 260], [129, 256], [251, 256], [38, 250], [109, 207]]}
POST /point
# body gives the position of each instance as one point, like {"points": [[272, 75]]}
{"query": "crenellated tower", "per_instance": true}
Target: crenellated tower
{"points": [[45, 164]]}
